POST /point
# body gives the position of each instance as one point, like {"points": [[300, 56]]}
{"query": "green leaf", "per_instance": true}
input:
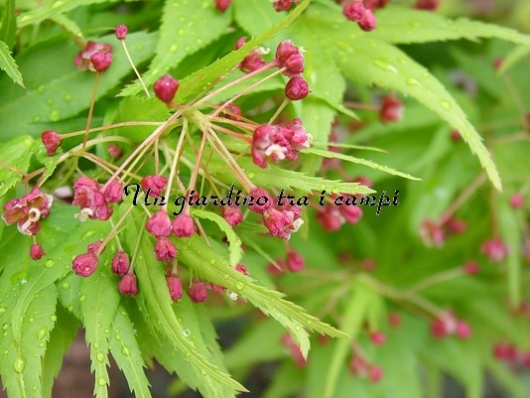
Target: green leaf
{"points": [[186, 27], [234, 248], [60, 91], [159, 304], [509, 225], [126, 352], [200, 80], [99, 302], [49, 162], [211, 266], [8, 64], [61, 337], [354, 314], [255, 16], [368, 163], [515, 56], [371, 61], [17, 154], [8, 24], [68, 24], [48, 10], [402, 25]]}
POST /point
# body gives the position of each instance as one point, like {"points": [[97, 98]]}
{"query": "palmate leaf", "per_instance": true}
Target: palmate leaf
{"points": [[213, 267], [16, 154], [60, 91], [200, 80], [234, 242], [368, 163], [99, 302], [370, 61], [400, 25], [126, 352], [187, 26], [159, 305], [8, 64]]}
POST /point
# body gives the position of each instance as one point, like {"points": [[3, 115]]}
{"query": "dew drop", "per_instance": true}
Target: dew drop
{"points": [[251, 175], [31, 319], [2, 310], [117, 337], [5, 326], [20, 364], [173, 48], [445, 105], [102, 381], [42, 345], [42, 332], [36, 119], [70, 308], [226, 276], [82, 299], [106, 331], [49, 263], [65, 286], [240, 286], [385, 65], [54, 116], [186, 332], [58, 4], [181, 32], [100, 356], [34, 388], [67, 98], [412, 82], [40, 89], [212, 261], [140, 47], [203, 372], [125, 351]]}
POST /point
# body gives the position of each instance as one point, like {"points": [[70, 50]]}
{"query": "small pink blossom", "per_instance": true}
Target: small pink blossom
{"points": [[36, 252], [198, 292], [51, 140], [128, 285], [85, 264], [83, 59], [174, 285], [165, 249], [495, 249], [165, 88], [159, 225], [120, 263], [154, 183], [183, 226]]}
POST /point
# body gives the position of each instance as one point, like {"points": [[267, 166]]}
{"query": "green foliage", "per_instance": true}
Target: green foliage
{"points": [[404, 262]]}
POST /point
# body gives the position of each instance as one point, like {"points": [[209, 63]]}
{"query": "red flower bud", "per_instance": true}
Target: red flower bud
{"points": [[165, 88], [51, 141], [232, 215], [391, 109], [462, 331], [93, 247], [128, 285], [241, 268], [165, 250], [296, 88], [101, 61], [121, 32], [159, 225], [183, 226], [114, 192], [516, 201], [85, 264], [427, 4], [377, 338], [36, 251], [120, 263], [155, 184], [222, 5], [115, 152], [174, 285], [262, 200], [198, 292], [295, 262], [471, 268]]}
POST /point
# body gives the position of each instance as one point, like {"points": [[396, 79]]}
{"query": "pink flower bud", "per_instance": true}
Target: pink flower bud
{"points": [[165, 88], [330, 218], [174, 285], [85, 264], [36, 251], [101, 61], [443, 325], [516, 201], [114, 192], [295, 262], [232, 215], [120, 263], [367, 23], [294, 65], [198, 292], [284, 50], [262, 200], [252, 62], [471, 268], [115, 152], [241, 268], [431, 233], [128, 285], [165, 249], [282, 5], [462, 331], [121, 32], [495, 249], [296, 88], [456, 226], [159, 225], [391, 109], [93, 247], [351, 214], [183, 226], [377, 338], [222, 5], [354, 11], [51, 141], [155, 184], [376, 373], [394, 319]]}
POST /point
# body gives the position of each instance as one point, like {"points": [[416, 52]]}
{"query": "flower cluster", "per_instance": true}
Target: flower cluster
{"points": [[446, 324], [95, 201], [95, 57], [356, 11], [277, 142]]}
